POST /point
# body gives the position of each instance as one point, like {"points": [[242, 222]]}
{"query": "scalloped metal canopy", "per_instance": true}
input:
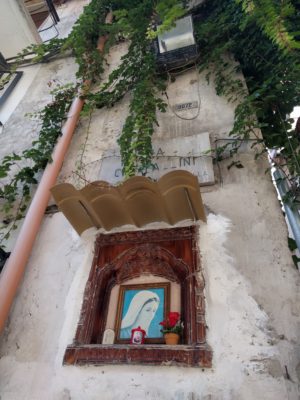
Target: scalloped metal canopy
{"points": [[138, 201]]}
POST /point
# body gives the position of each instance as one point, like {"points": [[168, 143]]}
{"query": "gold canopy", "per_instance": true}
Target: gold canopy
{"points": [[138, 201]]}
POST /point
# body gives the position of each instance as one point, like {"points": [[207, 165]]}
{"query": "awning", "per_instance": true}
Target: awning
{"points": [[137, 201]]}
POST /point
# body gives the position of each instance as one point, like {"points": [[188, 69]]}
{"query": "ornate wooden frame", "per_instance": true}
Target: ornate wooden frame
{"points": [[168, 253]]}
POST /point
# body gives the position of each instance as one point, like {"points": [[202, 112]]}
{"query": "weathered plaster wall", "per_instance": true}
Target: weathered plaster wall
{"points": [[68, 14], [17, 29], [251, 288], [248, 356]]}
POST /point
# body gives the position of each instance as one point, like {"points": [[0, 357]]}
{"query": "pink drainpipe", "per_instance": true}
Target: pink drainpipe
{"points": [[13, 271]]}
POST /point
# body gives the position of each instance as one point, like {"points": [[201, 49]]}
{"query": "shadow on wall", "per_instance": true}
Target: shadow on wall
{"points": [[3, 257]]}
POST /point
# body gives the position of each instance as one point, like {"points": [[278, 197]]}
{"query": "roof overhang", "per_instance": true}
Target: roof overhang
{"points": [[138, 201]]}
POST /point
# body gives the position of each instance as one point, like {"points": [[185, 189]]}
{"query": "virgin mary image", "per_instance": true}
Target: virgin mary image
{"points": [[141, 312]]}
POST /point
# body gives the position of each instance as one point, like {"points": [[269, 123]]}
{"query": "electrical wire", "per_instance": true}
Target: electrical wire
{"points": [[198, 92]]}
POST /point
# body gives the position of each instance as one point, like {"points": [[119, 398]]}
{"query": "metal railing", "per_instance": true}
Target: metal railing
{"points": [[292, 209]]}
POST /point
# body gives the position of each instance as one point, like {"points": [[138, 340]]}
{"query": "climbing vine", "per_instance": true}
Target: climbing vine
{"points": [[19, 171], [276, 19], [261, 35], [146, 86], [84, 37], [132, 21], [135, 141], [81, 42], [272, 73]]}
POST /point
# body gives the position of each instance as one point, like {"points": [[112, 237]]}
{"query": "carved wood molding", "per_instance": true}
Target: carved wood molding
{"points": [[168, 253], [153, 235], [147, 258]]}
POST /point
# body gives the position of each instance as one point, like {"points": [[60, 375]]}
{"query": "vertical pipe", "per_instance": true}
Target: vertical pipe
{"points": [[13, 271]]}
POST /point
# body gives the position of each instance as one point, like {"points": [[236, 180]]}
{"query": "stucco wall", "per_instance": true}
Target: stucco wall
{"points": [[252, 304], [17, 29]]}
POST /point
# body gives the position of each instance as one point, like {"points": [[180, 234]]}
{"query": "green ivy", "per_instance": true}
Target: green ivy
{"points": [[133, 20], [275, 19], [38, 53], [135, 141], [84, 37], [272, 74], [262, 35], [82, 41], [137, 74], [19, 171]]}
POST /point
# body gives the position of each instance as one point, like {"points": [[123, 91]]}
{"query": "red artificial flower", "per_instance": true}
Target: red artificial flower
{"points": [[173, 318], [171, 321]]}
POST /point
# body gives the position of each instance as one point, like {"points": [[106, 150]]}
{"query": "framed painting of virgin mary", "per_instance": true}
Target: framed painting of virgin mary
{"points": [[142, 306]]}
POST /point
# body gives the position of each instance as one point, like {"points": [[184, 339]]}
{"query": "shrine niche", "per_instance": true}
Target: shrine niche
{"points": [[169, 255]]}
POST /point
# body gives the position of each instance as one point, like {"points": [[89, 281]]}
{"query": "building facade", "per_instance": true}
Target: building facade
{"points": [[246, 279]]}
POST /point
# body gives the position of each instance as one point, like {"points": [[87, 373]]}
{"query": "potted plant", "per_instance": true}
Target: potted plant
{"points": [[172, 328]]}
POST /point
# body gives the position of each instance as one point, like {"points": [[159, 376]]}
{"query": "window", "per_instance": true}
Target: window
{"points": [[160, 258]]}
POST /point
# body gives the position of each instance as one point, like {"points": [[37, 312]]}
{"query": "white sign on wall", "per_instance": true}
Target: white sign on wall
{"points": [[186, 106], [191, 153]]}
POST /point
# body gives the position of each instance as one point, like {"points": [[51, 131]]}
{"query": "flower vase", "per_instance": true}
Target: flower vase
{"points": [[171, 338]]}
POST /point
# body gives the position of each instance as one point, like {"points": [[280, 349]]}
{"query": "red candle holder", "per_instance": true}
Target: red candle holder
{"points": [[137, 336]]}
